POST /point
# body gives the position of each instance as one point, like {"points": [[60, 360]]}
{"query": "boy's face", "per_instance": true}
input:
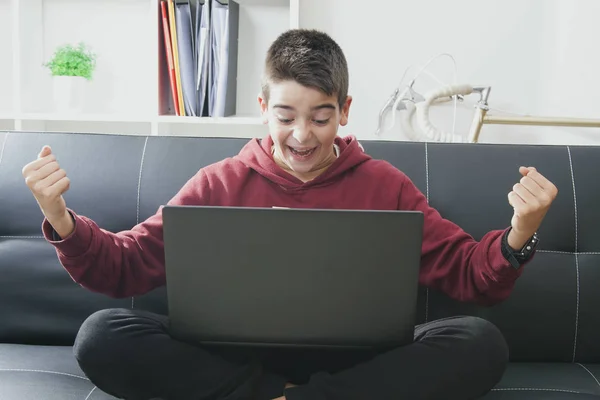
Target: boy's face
{"points": [[303, 123]]}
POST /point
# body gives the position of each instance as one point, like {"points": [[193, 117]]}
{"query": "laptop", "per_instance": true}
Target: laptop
{"points": [[292, 277]]}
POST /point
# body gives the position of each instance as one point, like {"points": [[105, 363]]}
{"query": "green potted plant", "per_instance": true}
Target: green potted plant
{"points": [[71, 67]]}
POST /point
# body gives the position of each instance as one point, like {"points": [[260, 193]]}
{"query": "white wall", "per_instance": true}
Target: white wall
{"points": [[539, 56], [6, 61]]}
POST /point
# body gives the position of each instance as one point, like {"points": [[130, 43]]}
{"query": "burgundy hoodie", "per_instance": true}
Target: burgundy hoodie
{"points": [[131, 262]]}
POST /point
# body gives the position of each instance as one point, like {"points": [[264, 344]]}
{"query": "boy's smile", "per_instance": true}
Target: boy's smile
{"points": [[303, 123]]}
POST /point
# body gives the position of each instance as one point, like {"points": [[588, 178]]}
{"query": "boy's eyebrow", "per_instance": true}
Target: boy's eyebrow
{"points": [[319, 107]]}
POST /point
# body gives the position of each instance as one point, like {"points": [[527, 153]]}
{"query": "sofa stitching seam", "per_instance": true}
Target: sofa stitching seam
{"points": [[3, 146], [21, 237], [90, 393], [42, 371], [137, 216], [537, 251], [535, 389], [427, 196], [589, 372], [576, 254], [574, 198], [568, 252]]}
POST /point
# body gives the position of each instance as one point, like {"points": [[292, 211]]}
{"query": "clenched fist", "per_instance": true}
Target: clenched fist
{"points": [[530, 198], [48, 182]]}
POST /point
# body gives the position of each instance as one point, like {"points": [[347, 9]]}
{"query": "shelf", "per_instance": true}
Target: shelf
{"points": [[6, 125], [234, 126], [233, 120], [254, 37], [127, 92], [268, 3], [83, 117], [210, 130]]}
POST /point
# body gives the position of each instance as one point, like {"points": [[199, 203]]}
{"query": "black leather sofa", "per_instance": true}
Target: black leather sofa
{"points": [[551, 322]]}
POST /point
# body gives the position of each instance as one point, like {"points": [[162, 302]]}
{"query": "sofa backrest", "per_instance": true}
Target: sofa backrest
{"points": [[120, 180]]}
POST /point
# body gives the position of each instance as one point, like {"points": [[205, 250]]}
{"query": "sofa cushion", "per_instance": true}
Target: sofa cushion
{"points": [[52, 373], [548, 381], [538, 394], [44, 372]]}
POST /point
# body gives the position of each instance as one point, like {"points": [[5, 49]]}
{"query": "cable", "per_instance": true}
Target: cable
{"points": [[398, 96], [424, 70], [404, 75]]}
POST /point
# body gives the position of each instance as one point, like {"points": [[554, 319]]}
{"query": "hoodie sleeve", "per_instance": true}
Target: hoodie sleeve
{"points": [[454, 262], [126, 263]]}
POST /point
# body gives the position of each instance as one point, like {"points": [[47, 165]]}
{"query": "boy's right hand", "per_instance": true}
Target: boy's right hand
{"points": [[48, 182]]}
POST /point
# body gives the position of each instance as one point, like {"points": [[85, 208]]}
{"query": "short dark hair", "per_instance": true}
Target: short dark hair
{"points": [[310, 58]]}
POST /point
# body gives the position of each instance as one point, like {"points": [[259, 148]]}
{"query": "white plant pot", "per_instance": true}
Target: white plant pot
{"points": [[69, 93]]}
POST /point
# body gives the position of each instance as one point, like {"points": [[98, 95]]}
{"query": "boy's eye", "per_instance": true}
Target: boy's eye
{"points": [[316, 121]]}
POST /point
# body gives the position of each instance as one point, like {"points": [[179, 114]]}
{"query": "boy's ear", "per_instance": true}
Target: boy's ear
{"points": [[345, 111], [263, 108]]}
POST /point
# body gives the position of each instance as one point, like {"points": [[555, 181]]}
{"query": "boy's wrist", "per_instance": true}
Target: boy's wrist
{"points": [[517, 240], [63, 225]]}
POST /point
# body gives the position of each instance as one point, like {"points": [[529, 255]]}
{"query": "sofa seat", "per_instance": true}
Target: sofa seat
{"points": [[52, 373], [44, 372], [533, 381]]}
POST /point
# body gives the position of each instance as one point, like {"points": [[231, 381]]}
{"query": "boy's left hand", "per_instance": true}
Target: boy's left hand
{"points": [[530, 199]]}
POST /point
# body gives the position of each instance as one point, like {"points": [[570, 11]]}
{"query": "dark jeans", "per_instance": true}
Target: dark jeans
{"points": [[129, 354]]}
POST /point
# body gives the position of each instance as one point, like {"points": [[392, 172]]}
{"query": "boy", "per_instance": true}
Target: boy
{"points": [[301, 163]]}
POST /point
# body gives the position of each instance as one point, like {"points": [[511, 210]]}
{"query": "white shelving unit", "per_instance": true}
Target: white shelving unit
{"points": [[123, 96]]}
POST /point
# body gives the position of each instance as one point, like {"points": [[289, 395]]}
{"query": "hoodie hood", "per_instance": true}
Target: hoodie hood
{"points": [[257, 155]]}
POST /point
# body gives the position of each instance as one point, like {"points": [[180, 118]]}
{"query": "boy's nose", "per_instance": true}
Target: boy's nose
{"points": [[301, 134]]}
